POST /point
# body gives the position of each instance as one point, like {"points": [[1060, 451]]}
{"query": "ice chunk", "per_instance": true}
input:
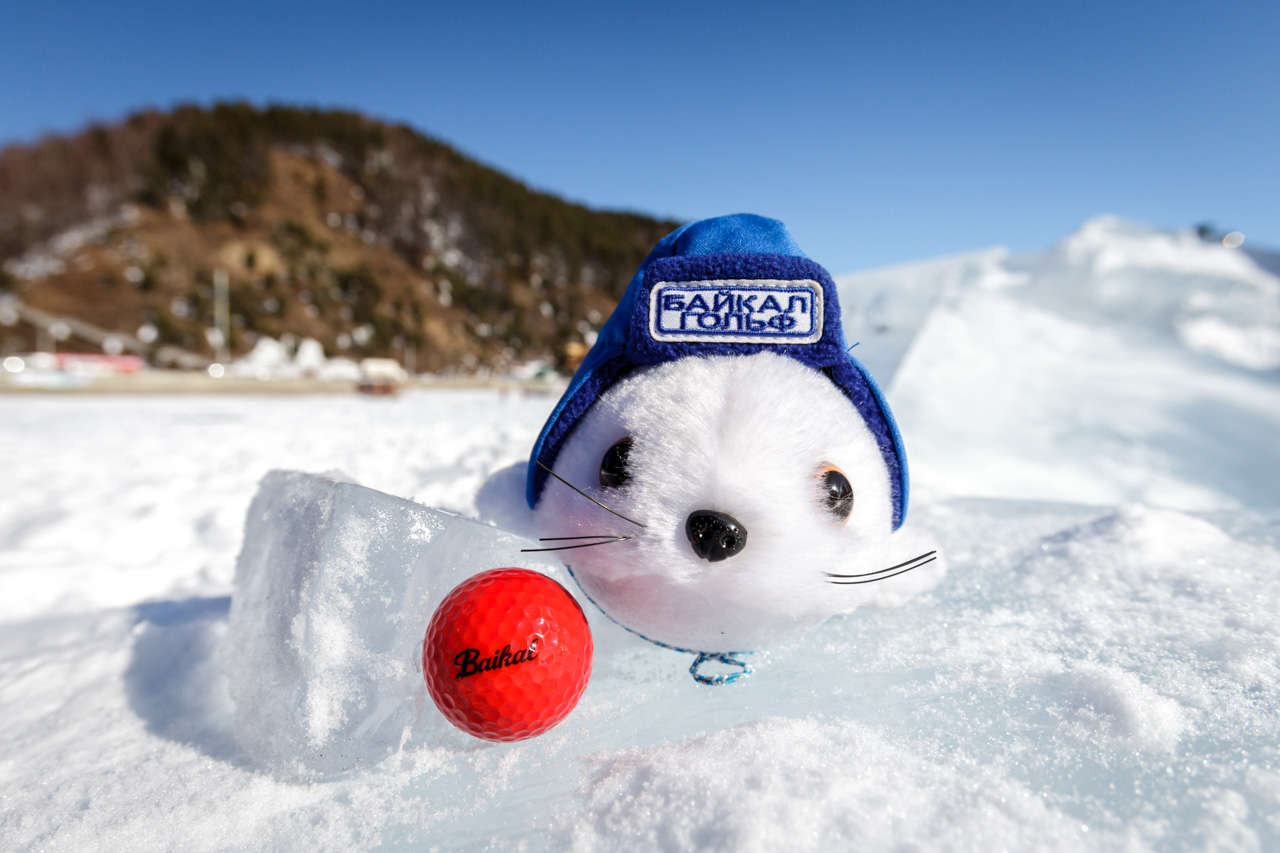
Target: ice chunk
{"points": [[333, 592]]}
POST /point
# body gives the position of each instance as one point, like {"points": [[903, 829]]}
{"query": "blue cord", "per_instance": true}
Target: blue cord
{"points": [[722, 657], [730, 658]]}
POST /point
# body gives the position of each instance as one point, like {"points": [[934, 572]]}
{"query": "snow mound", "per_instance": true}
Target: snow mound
{"points": [[1160, 283], [836, 786], [1077, 384], [1253, 346], [1108, 705], [1109, 244], [277, 359]]}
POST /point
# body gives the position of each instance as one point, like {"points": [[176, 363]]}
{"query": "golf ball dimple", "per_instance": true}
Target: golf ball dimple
{"points": [[507, 654]]}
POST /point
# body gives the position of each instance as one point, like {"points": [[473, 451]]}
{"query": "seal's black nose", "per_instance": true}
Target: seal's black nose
{"points": [[715, 536]]}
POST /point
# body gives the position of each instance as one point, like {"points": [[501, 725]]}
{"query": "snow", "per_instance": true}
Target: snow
{"points": [[1099, 670], [883, 309], [1077, 384], [273, 359], [1256, 347]]}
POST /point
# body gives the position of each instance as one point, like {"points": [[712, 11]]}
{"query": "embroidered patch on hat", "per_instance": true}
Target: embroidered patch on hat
{"points": [[737, 311]]}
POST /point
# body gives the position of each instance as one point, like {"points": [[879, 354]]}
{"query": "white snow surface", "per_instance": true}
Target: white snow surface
{"points": [[1099, 669]]}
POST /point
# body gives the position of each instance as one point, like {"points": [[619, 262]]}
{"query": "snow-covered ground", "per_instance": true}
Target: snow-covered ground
{"points": [[1092, 433]]}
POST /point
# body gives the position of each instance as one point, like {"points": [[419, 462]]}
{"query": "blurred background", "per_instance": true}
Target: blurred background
{"points": [[466, 189]]}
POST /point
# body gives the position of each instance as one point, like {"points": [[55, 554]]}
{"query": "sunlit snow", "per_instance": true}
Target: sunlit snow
{"points": [[1092, 436]]}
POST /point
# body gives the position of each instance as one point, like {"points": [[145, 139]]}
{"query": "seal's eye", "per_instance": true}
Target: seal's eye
{"points": [[837, 493], [613, 468]]}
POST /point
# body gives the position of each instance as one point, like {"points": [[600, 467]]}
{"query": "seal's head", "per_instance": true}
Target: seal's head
{"points": [[747, 466]]}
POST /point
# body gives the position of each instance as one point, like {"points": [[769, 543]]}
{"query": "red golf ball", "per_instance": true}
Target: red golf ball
{"points": [[507, 654]]}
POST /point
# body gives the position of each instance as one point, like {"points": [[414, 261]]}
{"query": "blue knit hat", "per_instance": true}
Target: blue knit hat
{"points": [[734, 285]]}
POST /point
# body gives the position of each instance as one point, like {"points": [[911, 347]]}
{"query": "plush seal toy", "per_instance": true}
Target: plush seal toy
{"points": [[721, 472]]}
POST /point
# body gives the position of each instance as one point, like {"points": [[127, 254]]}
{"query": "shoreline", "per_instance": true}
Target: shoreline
{"points": [[182, 382]]}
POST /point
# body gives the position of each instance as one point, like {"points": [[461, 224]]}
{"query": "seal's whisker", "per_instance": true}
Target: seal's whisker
{"points": [[885, 577], [889, 569], [587, 496], [885, 574], [603, 540]]}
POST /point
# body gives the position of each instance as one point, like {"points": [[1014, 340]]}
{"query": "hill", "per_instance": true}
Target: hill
{"points": [[370, 237]]}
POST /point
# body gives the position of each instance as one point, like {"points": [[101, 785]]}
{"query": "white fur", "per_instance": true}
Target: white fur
{"points": [[744, 435]]}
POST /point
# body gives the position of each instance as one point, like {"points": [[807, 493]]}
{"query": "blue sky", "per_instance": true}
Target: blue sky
{"points": [[879, 132]]}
